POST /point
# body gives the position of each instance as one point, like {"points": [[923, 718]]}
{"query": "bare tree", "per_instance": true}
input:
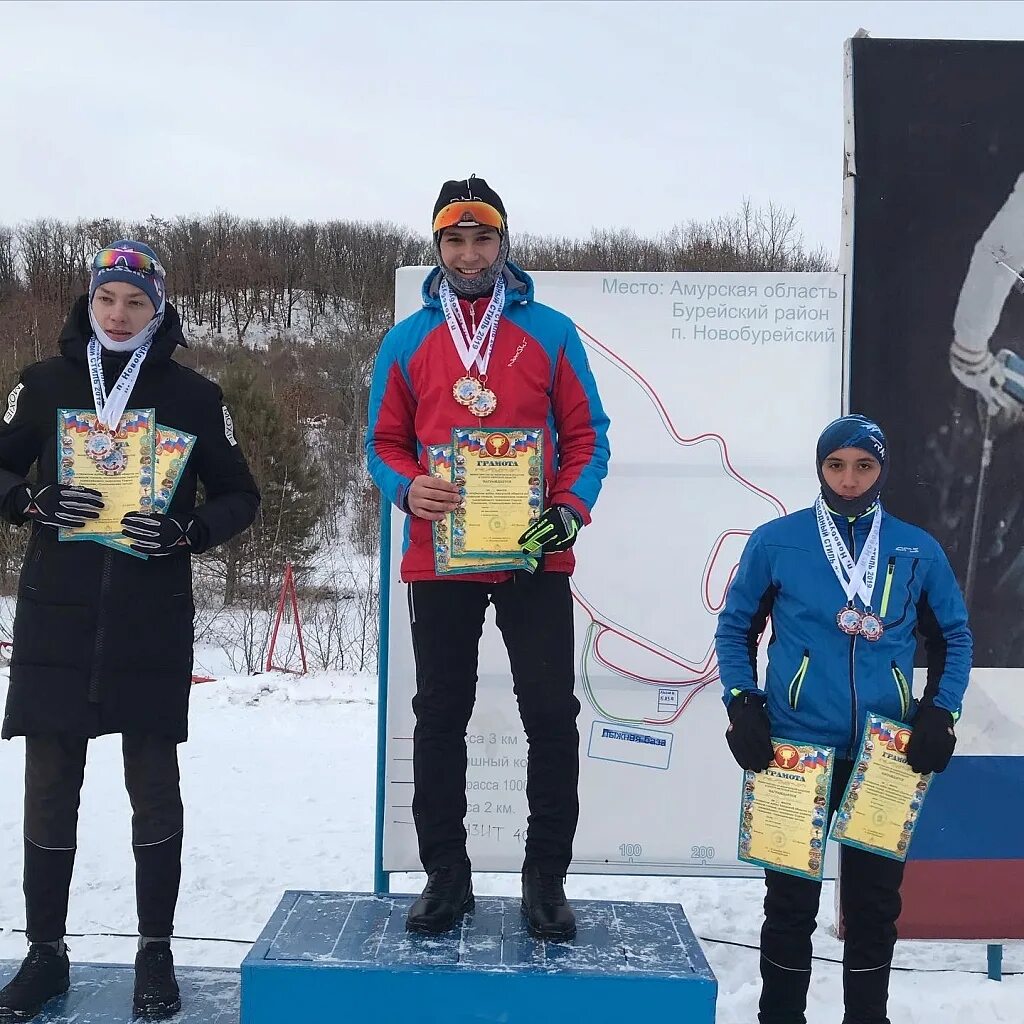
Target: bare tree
{"points": [[316, 299]]}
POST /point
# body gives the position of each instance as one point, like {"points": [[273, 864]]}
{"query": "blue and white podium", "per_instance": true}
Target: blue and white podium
{"points": [[347, 957], [102, 994], [326, 956]]}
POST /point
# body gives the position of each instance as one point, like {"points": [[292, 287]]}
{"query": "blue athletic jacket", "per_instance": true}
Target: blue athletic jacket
{"points": [[820, 682]]}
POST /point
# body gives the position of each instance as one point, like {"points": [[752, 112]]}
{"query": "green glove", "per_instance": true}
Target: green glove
{"points": [[555, 530]]}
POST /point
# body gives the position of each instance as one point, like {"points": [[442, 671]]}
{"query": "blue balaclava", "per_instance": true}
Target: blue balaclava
{"points": [[852, 432]]}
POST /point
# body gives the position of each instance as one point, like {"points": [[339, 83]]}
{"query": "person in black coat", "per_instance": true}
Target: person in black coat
{"points": [[103, 639]]}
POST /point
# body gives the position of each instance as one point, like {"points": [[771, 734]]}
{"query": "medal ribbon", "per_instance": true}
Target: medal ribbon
{"points": [[856, 579], [471, 349], [110, 409]]}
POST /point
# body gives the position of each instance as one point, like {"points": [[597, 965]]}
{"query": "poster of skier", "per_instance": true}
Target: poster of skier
{"points": [[938, 305]]}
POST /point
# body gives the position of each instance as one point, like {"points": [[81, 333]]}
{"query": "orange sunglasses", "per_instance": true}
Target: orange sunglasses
{"points": [[468, 212]]}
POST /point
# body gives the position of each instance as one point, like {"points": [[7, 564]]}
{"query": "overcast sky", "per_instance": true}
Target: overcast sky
{"points": [[580, 114]]}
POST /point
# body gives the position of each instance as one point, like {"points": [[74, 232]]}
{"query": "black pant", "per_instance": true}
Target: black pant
{"points": [[870, 901], [54, 769], [534, 614]]}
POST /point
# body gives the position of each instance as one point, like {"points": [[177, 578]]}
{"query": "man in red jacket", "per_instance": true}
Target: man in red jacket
{"points": [[481, 343]]}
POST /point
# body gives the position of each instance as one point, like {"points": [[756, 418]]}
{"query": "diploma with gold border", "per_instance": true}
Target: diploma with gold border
{"points": [[501, 476], [124, 491], [172, 448], [784, 810], [441, 463], [882, 803]]}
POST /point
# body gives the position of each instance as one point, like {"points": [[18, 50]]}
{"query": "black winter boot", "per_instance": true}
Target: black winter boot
{"points": [[545, 907], [156, 988], [447, 895], [43, 976]]}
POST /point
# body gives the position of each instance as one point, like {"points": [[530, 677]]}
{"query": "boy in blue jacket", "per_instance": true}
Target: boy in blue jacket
{"points": [[848, 587]]}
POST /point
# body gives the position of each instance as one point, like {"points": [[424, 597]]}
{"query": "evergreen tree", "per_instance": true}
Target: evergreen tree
{"points": [[282, 461]]}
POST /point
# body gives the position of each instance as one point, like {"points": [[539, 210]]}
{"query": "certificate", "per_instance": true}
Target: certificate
{"points": [[118, 465], [501, 476], [784, 809], [441, 463], [172, 448], [882, 802]]}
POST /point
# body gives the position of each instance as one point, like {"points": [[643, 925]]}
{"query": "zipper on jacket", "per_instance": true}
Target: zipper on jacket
{"points": [[883, 608], [904, 687], [853, 674], [798, 680], [97, 651], [906, 603]]}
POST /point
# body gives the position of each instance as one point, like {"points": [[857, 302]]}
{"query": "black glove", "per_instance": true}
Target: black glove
{"points": [[156, 534], [60, 505], [554, 530], [932, 741], [750, 733]]}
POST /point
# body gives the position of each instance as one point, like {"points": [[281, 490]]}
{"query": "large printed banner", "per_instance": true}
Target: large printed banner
{"points": [[717, 386], [936, 159]]}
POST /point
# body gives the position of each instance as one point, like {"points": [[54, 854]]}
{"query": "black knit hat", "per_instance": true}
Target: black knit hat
{"points": [[469, 202]]}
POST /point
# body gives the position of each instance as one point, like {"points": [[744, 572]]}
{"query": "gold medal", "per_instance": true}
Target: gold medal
{"points": [[465, 390], [484, 403]]}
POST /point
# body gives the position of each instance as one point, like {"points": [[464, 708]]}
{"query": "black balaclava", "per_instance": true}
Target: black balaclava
{"points": [[466, 203], [852, 432]]}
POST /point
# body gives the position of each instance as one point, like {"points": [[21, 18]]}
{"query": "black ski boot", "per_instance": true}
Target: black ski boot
{"points": [[44, 975], [156, 989]]}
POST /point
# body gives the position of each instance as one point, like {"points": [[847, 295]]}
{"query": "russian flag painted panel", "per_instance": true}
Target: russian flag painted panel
{"points": [[965, 874]]}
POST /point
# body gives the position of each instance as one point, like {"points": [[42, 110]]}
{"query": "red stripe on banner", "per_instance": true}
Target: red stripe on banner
{"points": [[963, 899]]}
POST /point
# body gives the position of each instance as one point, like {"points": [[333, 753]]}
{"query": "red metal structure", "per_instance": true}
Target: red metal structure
{"points": [[288, 592]]}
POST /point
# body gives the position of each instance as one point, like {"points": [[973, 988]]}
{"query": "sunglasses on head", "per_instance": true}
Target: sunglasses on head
{"points": [[468, 212], [129, 259]]}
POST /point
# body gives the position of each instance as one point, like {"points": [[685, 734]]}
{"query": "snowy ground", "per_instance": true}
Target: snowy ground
{"points": [[279, 778]]}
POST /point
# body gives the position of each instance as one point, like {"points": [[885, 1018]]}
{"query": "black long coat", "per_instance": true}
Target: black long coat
{"points": [[103, 641]]}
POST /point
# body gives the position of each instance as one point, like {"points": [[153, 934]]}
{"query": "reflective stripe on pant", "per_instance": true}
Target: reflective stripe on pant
{"points": [[870, 903], [54, 770], [534, 615]]}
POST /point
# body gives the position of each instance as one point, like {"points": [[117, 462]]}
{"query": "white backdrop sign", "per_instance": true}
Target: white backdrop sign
{"points": [[717, 386]]}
